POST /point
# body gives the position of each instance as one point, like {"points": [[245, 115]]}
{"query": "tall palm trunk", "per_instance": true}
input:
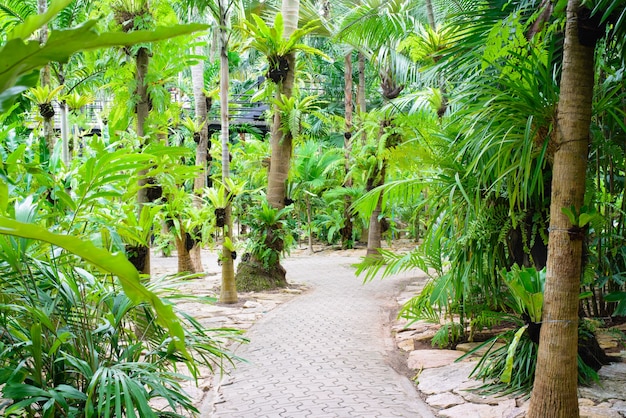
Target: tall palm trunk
{"points": [[360, 92], [374, 237], [281, 142], [430, 14], [44, 77], [555, 388], [346, 231], [64, 125], [182, 248], [290, 10], [375, 231], [65, 133], [228, 291], [200, 101], [142, 60], [309, 222], [361, 109]]}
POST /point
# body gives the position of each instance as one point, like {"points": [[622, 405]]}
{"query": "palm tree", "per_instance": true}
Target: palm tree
{"points": [[48, 122], [202, 105], [347, 230], [555, 388], [312, 169], [127, 12], [280, 140], [221, 14], [228, 291], [378, 37], [280, 44]]}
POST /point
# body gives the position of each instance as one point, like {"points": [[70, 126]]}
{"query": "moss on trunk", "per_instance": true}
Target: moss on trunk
{"points": [[252, 276]]}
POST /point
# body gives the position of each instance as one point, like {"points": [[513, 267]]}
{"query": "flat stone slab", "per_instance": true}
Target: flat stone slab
{"points": [[426, 359], [503, 409], [598, 412], [444, 400], [615, 374], [446, 378]]}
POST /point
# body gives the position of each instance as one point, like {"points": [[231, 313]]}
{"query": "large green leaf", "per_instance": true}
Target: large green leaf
{"points": [[34, 22], [526, 285], [22, 57], [115, 264], [510, 356]]}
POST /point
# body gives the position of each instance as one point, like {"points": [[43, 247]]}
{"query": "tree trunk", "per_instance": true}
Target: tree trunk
{"points": [[291, 13], [430, 14], [281, 142], [346, 231], [309, 223], [228, 293], [555, 388], [362, 108], [375, 232], [360, 93], [184, 260], [200, 101], [44, 77], [65, 134], [228, 290], [280, 159], [142, 60], [377, 178]]}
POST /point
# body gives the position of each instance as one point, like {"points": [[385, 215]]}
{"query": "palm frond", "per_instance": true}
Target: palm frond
{"points": [[16, 11]]}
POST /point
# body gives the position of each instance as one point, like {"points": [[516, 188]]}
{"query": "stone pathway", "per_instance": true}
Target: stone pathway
{"points": [[325, 354], [331, 347]]}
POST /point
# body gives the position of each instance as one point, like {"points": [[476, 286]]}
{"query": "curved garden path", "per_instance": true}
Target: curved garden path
{"points": [[326, 353]]}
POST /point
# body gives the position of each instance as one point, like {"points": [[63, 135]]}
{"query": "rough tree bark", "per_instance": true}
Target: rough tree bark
{"points": [[202, 149], [44, 77], [228, 290], [555, 388], [142, 60], [361, 109], [346, 232]]}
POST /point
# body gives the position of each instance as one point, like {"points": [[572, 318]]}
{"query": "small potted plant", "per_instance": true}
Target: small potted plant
{"points": [[43, 96], [220, 197]]}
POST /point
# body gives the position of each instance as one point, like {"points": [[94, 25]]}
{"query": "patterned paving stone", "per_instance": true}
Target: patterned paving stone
{"points": [[323, 354]]}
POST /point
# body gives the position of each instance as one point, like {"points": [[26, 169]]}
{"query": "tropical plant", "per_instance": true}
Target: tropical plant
{"points": [[222, 196], [26, 56], [285, 40], [275, 45], [43, 96], [76, 343], [312, 171], [264, 243], [268, 238], [510, 368]]}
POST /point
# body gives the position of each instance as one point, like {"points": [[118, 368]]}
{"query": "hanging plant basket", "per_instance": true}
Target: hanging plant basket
{"points": [[189, 241], [278, 68], [46, 110], [220, 217], [137, 254], [154, 191]]}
